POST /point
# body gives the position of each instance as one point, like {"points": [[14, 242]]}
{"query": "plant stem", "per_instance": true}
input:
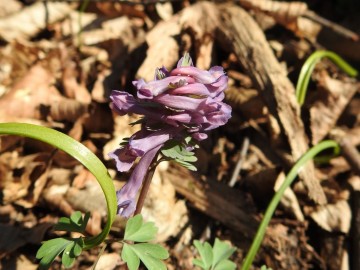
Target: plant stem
{"points": [[145, 188], [310, 154]]}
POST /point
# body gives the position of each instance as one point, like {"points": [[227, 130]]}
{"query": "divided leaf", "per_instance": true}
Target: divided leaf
{"points": [[216, 257], [176, 151], [49, 250], [71, 248], [76, 223], [138, 231], [150, 254], [222, 251], [130, 257], [206, 253]]}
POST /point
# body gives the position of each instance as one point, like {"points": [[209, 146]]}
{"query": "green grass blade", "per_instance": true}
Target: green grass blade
{"points": [[308, 67], [79, 152], [310, 154]]}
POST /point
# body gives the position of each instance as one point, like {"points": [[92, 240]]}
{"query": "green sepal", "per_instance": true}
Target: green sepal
{"points": [[186, 60]]}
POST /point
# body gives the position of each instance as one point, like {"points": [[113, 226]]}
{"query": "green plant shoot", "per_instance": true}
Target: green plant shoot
{"points": [[150, 254]]}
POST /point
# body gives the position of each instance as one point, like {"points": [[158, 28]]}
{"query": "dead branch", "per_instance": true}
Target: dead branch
{"points": [[240, 32]]}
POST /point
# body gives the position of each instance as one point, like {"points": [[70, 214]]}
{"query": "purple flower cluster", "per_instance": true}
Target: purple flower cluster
{"points": [[178, 103]]}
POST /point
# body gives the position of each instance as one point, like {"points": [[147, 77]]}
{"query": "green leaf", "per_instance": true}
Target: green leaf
{"points": [[225, 265], [151, 255], [138, 231], [49, 250], [130, 257], [68, 257], [83, 155], [205, 252], [187, 165], [71, 248], [76, 218], [199, 263], [264, 267], [175, 150], [221, 251], [78, 247], [76, 223]]}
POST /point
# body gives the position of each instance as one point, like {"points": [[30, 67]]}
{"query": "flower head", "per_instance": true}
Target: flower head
{"points": [[177, 105]]}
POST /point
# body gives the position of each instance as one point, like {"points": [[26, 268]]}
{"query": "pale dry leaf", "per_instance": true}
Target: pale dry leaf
{"points": [[164, 10], [161, 206], [73, 88], [334, 217], [71, 27], [31, 20], [122, 129], [54, 198], [94, 225], [200, 19], [282, 11], [333, 96], [11, 7], [204, 55], [240, 33], [108, 261], [67, 110], [121, 31], [30, 179], [25, 97], [289, 200], [99, 92], [89, 199]]}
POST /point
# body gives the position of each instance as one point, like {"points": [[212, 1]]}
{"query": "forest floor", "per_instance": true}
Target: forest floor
{"points": [[59, 62]]}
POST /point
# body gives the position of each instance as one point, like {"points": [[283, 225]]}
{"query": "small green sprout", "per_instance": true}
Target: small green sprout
{"points": [[150, 254], [216, 257]]}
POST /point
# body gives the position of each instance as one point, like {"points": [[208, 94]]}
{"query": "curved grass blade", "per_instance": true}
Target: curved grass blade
{"points": [[310, 154], [83, 155], [308, 67]]}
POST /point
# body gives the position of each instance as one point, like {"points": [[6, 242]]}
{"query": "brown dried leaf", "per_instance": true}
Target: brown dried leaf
{"points": [[13, 237], [11, 7], [199, 19], [289, 200], [66, 110], [334, 95], [89, 199], [281, 11], [334, 217], [108, 261], [27, 181], [72, 88], [161, 206], [117, 9], [240, 33], [31, 20], [25, 97]]}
